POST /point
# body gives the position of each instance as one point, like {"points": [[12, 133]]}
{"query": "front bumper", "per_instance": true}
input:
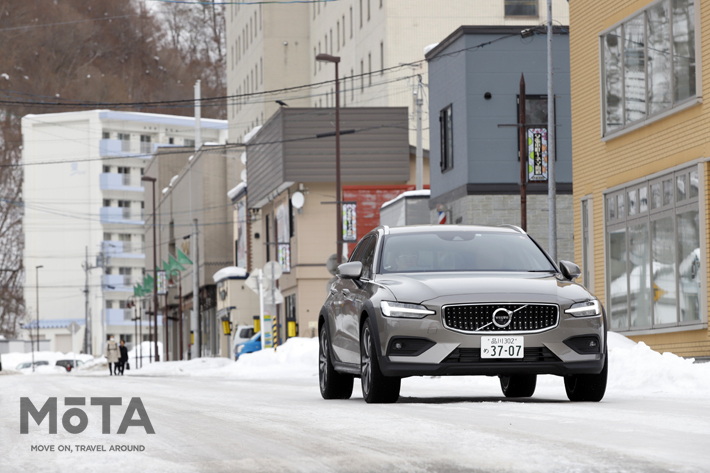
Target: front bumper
{"points": [[456, 353]]}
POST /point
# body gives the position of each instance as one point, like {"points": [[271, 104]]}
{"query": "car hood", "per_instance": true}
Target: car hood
{"points": [[482, 287]]}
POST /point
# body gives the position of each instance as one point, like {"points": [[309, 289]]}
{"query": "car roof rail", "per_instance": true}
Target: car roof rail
{"points": [[514, 227]]}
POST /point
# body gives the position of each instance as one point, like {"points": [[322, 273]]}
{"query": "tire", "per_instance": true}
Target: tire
{"points": [[333, 385], [587, 387], [518, 385], [376, 387]]}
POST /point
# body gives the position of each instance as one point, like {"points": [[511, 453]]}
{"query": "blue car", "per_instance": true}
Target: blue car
{"points": [[250, 346]]}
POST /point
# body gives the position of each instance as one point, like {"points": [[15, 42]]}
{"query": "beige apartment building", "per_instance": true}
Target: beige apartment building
{"points": [[273, 46]]}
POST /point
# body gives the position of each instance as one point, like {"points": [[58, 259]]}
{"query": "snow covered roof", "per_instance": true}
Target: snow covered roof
{"points": [[420, 193], [230, 272], [251, 134], [233, 193], [52, 323], [429, 48]]}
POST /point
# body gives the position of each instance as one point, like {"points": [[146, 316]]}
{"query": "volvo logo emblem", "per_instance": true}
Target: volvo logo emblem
{"points": [[502, 317]]}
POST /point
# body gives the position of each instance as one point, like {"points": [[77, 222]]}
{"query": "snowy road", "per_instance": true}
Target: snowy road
{"points": [[218, 424]]}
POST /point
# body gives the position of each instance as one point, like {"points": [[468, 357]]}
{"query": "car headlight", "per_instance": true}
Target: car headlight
{"points": [[409, 311], [585, 309]]}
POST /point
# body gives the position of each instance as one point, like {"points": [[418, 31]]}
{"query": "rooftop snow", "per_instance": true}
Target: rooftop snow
{"points": [[230, 272], [419, 193]]}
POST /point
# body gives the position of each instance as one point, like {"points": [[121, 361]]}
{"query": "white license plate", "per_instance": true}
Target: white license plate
{"points": [[502, 347]]}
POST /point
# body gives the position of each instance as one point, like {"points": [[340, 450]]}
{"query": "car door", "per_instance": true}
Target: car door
{"points": [[355, 294], [340, 299]]}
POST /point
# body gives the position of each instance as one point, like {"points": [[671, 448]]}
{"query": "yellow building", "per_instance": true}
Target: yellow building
{"points": [[641, 145]]}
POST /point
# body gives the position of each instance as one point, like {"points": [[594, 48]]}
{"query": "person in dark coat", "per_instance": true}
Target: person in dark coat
{"points": [[123, 358]]}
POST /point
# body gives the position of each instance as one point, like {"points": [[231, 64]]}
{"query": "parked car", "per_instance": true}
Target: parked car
{"points": [[242, 334], [69, 364], [28, 364], [459, 300], [250, 346]]}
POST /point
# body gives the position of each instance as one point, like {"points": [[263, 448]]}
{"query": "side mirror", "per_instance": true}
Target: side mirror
{"points": [[352, 270], [569, 270]]}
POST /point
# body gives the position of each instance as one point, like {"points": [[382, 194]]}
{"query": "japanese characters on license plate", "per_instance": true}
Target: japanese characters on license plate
{"points": [[502, 347]]}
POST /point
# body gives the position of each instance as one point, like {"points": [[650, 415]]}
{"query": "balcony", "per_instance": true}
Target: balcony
{"points": [[120, 182], [122, 249], [117, 283], [124, 316], [122, 215], [137, 149]]}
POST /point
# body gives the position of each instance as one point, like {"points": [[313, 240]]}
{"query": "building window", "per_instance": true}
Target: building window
{"points": [[351, 22], [369, 69], [107, 168], [107, 202], [107, 236], [648, 64], [360, 13], [653, 253], [362, 76], [521, 8], [447, 138], [337, 40], [343, 30], [106, 135], [368, 10]]}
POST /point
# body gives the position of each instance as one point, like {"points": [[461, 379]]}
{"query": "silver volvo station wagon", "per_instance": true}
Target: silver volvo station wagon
{"points": [[459, 300]]}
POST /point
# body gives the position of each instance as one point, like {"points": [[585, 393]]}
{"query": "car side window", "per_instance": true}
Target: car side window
{"points": [[355, 256], [368, 257]]}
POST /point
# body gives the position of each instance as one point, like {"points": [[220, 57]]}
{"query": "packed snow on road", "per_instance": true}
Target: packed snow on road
{"points": [[265, 413]]}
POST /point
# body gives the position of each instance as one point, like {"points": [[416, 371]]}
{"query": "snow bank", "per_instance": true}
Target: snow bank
{"points": [[634, 367], [297, 358], [11, 360]]}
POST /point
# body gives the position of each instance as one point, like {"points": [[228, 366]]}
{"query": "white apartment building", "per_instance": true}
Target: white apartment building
{"points": [[274, 46], [83, 199]]}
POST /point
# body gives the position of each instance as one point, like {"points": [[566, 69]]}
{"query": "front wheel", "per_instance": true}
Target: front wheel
{"points": [[587, 387], [519, 385], [376, 387], [333, 385]]}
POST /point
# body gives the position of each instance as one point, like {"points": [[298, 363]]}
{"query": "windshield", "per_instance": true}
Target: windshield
{"points": [[464, 250]]}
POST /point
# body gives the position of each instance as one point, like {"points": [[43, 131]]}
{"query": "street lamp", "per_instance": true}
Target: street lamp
{"points": [[37, 293], [155, 269], [338, 202]]}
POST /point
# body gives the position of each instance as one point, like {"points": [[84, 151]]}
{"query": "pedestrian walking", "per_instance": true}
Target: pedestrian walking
{"points": [[112, 356], [123, 359]]}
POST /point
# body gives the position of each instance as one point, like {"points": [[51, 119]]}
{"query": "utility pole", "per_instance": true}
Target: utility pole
{"points": [[420, 152], [551, 181], [198, 116], [196, 287], [522, 131], [86, 302]]}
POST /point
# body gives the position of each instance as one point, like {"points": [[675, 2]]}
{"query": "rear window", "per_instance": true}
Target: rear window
{"points": [[461, 251]]}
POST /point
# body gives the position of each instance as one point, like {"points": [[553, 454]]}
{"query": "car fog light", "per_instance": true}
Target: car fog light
{"points": [[398, 346]]}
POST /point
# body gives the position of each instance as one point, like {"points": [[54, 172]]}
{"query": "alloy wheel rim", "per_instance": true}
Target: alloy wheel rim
{"points": [[366, 362], [322, 365]]}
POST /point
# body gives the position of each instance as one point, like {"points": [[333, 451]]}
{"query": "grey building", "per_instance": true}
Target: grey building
{"points": [[474, 78], [192, 186]]}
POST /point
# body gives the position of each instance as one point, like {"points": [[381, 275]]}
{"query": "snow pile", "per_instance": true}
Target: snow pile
{"points": [[10, 361], [634, 367], [297, 358], [97, 364]]}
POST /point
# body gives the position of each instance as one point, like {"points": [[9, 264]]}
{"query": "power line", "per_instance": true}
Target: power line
{"points": [[11, 28], [205, 101]]}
